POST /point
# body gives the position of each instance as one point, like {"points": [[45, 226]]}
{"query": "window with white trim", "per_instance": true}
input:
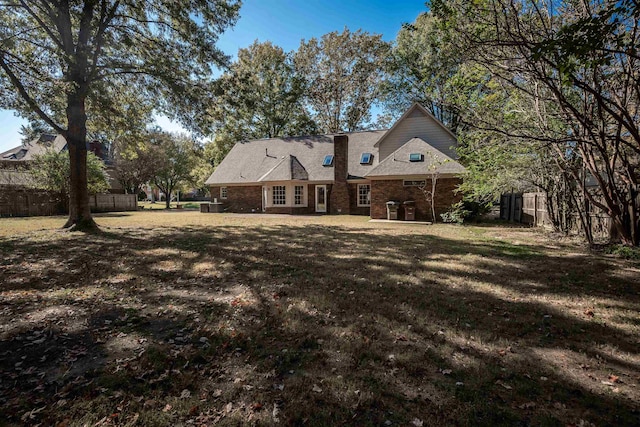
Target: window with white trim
{"points": [[279, 195], [223, 192], [298, 195], [364, 195]]}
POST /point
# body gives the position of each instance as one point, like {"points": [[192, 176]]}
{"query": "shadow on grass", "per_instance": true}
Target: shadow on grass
{"points": [[312, 325]]}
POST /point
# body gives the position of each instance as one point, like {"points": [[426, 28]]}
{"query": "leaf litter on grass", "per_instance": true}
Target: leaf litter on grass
{"points": [[142, 325]]}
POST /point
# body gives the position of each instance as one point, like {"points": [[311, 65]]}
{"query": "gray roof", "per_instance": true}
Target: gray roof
{"points": [[283, 159], [300, 158], [398, 163], [289, 167], [36, 147]]}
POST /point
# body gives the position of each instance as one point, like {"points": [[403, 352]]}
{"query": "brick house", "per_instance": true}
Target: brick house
{"points": [[24, 155], [353, 173]]}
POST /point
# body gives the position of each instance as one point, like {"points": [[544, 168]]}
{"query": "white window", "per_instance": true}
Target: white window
{"points": [[279, 195], [298, 195], [364, 195], [223, 192]]}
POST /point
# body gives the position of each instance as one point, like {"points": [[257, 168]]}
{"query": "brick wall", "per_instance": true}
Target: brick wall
{"points": [[240, 199], [339, 198], [353, 202], [385, 190]]}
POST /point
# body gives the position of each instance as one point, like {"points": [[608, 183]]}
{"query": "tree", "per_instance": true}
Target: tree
{"points": [[260, 96], [135, 163], [32, 131], [343, 73], [573, 66], [422, 66], [51, 171], [58, 58], [435, 164], [177, 158], [201, 171]]}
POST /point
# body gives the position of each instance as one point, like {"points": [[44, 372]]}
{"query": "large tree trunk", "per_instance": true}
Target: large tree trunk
{"points": [[80, 218]]}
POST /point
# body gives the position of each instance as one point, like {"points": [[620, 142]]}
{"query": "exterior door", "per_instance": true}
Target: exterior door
{"points": [[321, 198], [265, 195]]}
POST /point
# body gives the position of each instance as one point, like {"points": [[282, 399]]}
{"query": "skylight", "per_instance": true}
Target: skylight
{"points": [[416, 157], [328, 160], [365, 158]]}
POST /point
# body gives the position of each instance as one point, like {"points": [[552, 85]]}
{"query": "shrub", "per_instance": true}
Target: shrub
{"points": [[623, 251], [464, 210]]}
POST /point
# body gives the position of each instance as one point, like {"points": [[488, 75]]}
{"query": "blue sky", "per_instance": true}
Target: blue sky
{"points": [[285, 23]]}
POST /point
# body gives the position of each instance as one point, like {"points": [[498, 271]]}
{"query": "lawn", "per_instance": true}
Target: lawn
{"points": [[182, 318]]}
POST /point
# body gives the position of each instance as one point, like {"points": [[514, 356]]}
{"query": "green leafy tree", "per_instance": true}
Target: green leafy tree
{"points": [[33, 130], [572, 68], [343, 73], [58, 59], [422, 66], [51, 171], [200, 172], [177, 157], [260, 96], [135, 163]]}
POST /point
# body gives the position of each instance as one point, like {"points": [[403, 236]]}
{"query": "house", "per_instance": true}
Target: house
{"points": [[21, 156], [19, 198], [351, 173]]}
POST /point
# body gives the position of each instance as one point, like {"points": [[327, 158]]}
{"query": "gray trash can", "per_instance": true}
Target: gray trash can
{"points": [[392, 209], [409, 210]]}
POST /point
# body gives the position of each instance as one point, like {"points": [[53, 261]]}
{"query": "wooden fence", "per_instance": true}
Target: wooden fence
{"points": [[534, 209], [29, 203], [531, 208], [527, 208], [24, 202], [114, 202]]}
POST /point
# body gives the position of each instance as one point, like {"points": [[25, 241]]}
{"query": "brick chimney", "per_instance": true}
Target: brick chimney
{"points": [[339, 196]]}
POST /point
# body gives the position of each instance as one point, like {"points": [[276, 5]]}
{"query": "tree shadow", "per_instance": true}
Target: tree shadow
{"points": [[314, 325]]}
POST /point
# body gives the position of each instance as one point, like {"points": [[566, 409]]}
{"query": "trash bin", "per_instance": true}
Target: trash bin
{"points": [[409, 210], [204, 207], [392, 209]]}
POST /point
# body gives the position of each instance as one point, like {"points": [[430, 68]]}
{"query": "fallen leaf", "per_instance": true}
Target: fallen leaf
{"points": [[417, 422], [614, 378], [316, 389], [528, 405], [167, 408], [503, 384], [185, 394]]}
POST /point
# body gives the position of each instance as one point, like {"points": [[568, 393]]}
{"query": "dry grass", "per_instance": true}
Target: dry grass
{"points": [[171, 318]]}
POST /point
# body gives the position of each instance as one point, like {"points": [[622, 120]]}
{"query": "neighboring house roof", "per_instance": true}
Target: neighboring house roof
{"points": [[431, 161], [36, 147], [266, 159]]}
